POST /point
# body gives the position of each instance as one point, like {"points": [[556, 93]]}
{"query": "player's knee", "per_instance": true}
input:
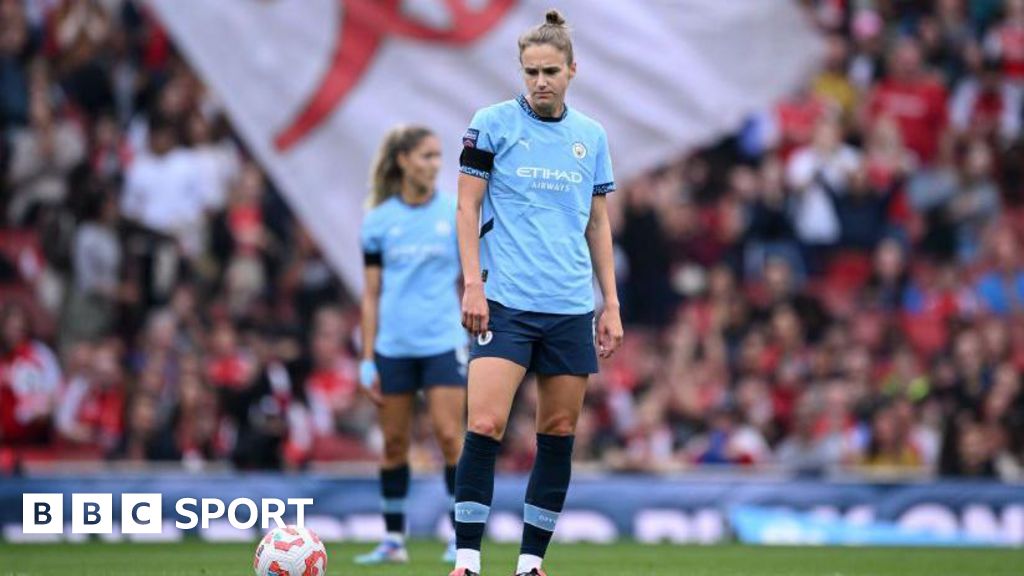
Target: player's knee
{"points": [[449, 440], [490, 426], [396, 450], [562, 425]]}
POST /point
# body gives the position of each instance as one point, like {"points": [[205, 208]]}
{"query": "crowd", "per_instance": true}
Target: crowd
{"points": [[837, 287]]}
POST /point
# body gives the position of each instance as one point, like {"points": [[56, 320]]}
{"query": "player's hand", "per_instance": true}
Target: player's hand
{"points": [[369, 381], [475, 313], [609, 332]]}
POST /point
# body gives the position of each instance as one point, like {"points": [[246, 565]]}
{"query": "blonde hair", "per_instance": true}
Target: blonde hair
{"points": [[553, 31], [385, 173]]}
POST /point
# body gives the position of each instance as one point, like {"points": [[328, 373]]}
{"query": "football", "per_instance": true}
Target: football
{"points": [[290, 551]]}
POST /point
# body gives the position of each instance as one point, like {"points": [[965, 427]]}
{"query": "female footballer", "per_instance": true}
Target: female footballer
{"points": [[410, 318], [533, 230]]}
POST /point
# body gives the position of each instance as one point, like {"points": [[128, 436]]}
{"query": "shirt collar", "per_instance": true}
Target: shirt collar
{"points": [[525, 105]]}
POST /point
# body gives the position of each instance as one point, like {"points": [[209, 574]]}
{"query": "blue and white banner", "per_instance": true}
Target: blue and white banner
{"points": [[599, 509], [781, 527]]}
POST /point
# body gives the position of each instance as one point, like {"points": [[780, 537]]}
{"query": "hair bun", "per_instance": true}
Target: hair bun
{"points": [[554, 18]]}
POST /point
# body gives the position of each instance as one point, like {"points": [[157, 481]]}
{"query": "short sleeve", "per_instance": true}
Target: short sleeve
{"points": [[477, 158], [604, 180], [372, 241]]}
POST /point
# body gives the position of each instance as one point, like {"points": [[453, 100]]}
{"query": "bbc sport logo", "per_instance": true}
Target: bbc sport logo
{"points": [[143, 513]]}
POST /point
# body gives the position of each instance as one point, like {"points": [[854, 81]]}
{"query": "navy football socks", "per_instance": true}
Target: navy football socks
{"points": [[394, 487], [474, 488], [545, 494]]}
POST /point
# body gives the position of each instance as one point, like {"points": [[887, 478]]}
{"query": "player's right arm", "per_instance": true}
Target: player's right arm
{"points": [[467, 222], [370, 311], [475, 165]]}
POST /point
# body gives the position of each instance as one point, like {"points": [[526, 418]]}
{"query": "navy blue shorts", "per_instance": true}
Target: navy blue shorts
{"points": [[549, 344], [409, 375]]}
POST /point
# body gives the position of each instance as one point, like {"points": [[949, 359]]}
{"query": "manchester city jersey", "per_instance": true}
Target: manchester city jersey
{"points": [[419, 312], [542, 174]]}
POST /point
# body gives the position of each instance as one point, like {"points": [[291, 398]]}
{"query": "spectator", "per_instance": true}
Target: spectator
{"points": [[90, 412], [977, 201], [96, 288], [863, 212], [146, 437], [887, 161], [771, 231], [230, 371], [913, 99], [339, 416], [163, 191], [1001, 289], [42, 154], [824, 433], [796, 118], [30, 379], [109, 153], [77, 34], [833, 82], [730, 440], [868, 31], [818, 174], [276, 431], [889, 287], [966, 451], [216, 156], [199, 434], [781, 288], [15, 53], [645, 246], [1005, 41], [953, 32], [244, 245], [309, 283], [891, 444], [986, 105]]}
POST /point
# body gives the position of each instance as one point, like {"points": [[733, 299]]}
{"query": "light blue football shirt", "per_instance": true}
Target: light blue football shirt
{"points": [[533, 249], [419, 312]]}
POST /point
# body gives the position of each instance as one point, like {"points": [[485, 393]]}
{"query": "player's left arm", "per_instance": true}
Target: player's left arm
{"points": [[599, 240]]}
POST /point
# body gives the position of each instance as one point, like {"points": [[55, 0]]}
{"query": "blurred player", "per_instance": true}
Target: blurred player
{"points": [[540, 172], [412, 338]]}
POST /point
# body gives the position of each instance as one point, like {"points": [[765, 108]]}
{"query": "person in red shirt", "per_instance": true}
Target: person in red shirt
{"points": [[986, 103], [796, 117], [229, 366], [914, 99], [1006, 41], [91, 408], [332, 386], [30, 378]]}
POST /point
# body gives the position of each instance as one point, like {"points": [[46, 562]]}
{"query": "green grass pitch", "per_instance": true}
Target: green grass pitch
{"points": [[625, 559]]}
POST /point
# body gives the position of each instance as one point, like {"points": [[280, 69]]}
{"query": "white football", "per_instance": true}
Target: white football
{"points": [[290, 551]]}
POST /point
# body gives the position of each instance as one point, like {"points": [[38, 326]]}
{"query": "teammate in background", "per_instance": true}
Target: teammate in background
{"points": [[412, 339], [539, 171]]}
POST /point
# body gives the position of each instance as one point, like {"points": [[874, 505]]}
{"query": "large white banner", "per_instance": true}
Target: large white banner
{"points": [[313, 85]]}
